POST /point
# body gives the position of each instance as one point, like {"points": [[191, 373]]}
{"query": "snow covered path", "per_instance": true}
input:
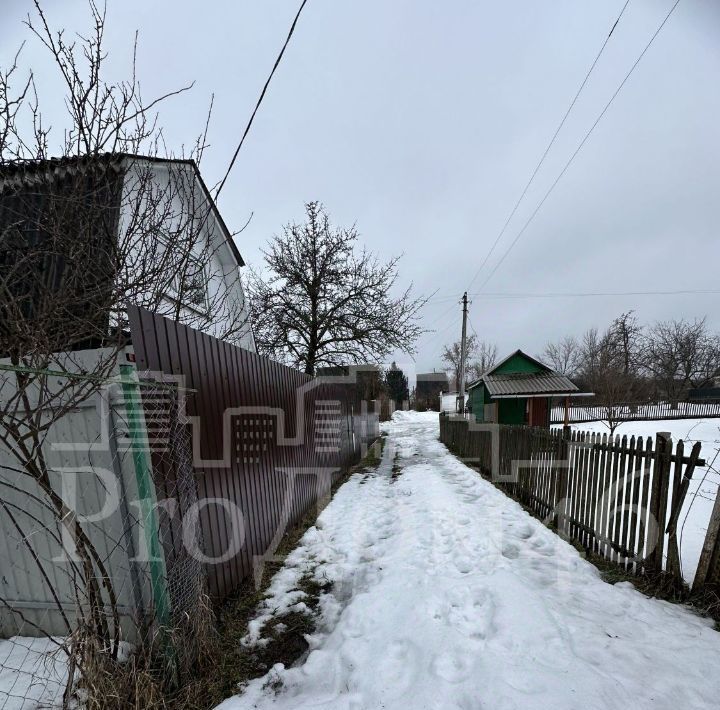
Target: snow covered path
{"points": [[448, 595]]}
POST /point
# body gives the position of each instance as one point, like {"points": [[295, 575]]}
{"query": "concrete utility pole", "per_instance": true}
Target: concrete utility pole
{"points": [[463, 355]]}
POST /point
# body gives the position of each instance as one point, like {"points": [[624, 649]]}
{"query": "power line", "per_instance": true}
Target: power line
{"points": [[548, 147], [602, 294], [260, 99], [434, 334], [446, 311], [522, 296], [582, 294], [580, 146]]}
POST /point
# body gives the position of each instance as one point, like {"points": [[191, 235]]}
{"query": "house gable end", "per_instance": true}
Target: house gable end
{"points": [[518, 362]]}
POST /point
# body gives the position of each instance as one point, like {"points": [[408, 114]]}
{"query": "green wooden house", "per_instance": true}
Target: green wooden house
{"points": [[518, 390]]}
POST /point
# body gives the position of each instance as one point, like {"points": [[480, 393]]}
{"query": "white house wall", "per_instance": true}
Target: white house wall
{"points": [[223, 267]]}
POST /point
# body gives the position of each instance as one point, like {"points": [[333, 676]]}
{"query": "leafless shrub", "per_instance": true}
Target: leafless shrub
{"points": [[608, 365], [480, 356], [563, 356], [81, 236], [680, 354]]}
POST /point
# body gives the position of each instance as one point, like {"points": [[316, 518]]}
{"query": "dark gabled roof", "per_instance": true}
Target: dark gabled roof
{"points": [[528, 383], [31, 172], [533, 360], [497, 365], [519, 384], [431, 377], [17, 173]]}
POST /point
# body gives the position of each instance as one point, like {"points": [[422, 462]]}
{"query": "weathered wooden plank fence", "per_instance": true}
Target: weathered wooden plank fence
{"points": [[708, 571], [619, 497]]}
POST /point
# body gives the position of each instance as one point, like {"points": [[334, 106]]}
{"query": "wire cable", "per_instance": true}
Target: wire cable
{"points": [[580, 146], [432, 334], [260, 99], [582, 294], [548, 147]]}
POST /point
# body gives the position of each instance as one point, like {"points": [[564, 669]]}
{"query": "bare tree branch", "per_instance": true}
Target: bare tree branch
{"points": [[324, 303]]}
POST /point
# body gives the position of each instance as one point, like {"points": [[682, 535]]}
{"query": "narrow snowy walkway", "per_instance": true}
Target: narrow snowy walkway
{"points": [[448, 595]]}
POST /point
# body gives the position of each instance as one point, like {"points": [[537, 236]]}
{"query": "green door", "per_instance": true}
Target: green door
{"points": [[511, 411]]}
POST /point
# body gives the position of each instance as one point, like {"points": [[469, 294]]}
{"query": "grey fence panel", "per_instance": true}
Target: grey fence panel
{"points": [[90, 465]]}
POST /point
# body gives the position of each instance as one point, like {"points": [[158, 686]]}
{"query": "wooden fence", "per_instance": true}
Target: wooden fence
{"points": [[618, 497], [708, 570], [267, 440], [634, 411]]}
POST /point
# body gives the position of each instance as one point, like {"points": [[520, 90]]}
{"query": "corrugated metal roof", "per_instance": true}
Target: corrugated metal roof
{"points": [[14, 174], [497, 365], [528, 383], [31, 172]]}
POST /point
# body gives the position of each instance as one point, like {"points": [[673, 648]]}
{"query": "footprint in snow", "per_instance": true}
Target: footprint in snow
{"points": [[473, 614], [354, 624], [398, 667], [524, 532], [510, 551], [543, 546], [452, 667], [463, 564]]}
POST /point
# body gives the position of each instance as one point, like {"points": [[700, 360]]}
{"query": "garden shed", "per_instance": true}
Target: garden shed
{"points": [[518, 390]]}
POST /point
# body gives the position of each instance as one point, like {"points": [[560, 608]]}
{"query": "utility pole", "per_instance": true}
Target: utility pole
{"points": [[463, 355]]}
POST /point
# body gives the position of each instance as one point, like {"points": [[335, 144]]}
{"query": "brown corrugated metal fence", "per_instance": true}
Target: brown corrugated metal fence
{"points": [[268, 440]]}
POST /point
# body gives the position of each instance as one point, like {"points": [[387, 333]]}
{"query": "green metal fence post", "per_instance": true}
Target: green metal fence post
{"points": [[146, 492]]}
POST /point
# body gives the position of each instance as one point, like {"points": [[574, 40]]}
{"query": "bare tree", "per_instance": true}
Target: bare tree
{"points": [[626, 334], [599, 371], [325, 303], [486, 355], [451, 356], [562, 356], [80, 238], [608, 364], [681, 354]]}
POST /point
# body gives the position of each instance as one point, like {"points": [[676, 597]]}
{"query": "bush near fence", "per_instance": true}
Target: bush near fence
{"points": [[617, 497]]}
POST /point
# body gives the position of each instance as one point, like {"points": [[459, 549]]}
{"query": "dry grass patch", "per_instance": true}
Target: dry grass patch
{"points": [[236, 664], [156, 678]]}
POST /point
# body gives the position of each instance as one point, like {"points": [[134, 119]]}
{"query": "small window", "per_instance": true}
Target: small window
{"points": [[195, 291], [190, 286], [188, 282]]}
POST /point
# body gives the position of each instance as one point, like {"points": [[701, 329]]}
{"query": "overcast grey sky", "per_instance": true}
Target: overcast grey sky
{"points": [[422, 120]]}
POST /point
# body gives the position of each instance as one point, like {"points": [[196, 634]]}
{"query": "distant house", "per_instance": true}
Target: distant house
{"points": [[366, 380], [428, 387], [711, 394], [517, 390], [78, 228]]}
